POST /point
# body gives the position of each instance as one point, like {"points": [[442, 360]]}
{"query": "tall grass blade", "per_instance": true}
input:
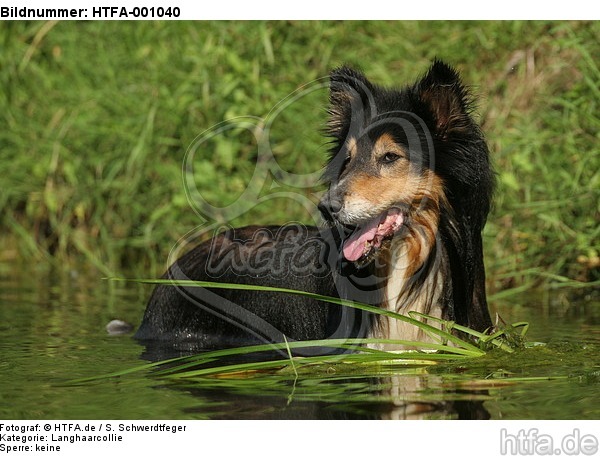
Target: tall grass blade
{"points": [[343, 302]]}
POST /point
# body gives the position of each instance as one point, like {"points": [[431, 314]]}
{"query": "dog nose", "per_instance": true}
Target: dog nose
{"points": [[330, 205]]}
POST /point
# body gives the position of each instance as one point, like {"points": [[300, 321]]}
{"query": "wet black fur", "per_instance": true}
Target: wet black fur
{"points": [[452, 146]]}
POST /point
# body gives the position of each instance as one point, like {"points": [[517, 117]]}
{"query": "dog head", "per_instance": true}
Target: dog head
{"points": [[398, 158]]}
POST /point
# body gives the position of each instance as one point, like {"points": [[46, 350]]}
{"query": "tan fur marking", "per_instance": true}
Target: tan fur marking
{"points": [[386, 143], [396, 183], [398, 186], [351, 146], [371, 188], [424, 225]]}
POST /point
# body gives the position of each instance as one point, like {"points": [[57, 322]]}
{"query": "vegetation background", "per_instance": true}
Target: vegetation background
{"points": [[96, 118]]}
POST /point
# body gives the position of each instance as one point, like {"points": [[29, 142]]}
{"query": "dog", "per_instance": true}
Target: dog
{"points": [[410, 186]]}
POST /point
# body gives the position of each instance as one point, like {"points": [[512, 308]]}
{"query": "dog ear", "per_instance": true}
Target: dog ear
{"points": [[349, 90], [447, 99]]}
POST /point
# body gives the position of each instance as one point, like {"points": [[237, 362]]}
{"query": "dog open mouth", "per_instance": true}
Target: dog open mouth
{"points": [[371, 235]]}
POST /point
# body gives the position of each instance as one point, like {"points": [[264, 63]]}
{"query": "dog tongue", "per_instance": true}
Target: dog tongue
{"points": [[354, 247], [358, 243]]}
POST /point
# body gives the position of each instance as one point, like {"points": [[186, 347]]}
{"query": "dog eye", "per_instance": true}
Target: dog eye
{"points": [[390, 157]]}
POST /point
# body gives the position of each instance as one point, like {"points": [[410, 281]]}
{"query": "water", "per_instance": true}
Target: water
{"points": [[52, 331]]}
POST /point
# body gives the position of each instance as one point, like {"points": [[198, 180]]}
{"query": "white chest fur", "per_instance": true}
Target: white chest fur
{"points": [[400, 298]]}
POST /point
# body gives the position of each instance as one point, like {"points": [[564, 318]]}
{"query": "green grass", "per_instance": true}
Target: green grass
{"points": [[448, 342], [442, 335], [97, 117]]}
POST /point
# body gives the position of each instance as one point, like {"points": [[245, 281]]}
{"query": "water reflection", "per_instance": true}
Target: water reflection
{"points": [[396, 397], [400, 393]]}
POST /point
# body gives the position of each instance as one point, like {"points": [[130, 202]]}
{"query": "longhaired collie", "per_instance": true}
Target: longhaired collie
{"points": [[409, 189]]}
